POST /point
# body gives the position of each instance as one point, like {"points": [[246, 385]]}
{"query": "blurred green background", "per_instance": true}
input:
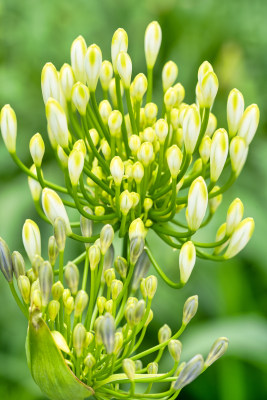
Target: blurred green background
{"points": [[232, 35]]}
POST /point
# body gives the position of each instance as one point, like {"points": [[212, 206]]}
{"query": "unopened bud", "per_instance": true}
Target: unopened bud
{"points": [[124, 67], [37, 149], [90, 361], [187, 259], [209, 88], [121, 266], [204, 149], [94, 256], [238, 154], [146, 153], [136, 248], [161, 129], [46, 282], [81, 301], [128, 366], [126, 202], [137, 229], [191, 128], [78, 51], [212, 125], [107, 331], [18, 264], [140, 270], [106, 238], [234, 215], [118, 342], [240, 237], [69, 305], [106, 149], [180, 93], [153, 37], [75, 166], [72, 276], [190, 372], [116, 288], [169, 75], [101, 301], [109, 276], [204, 68], [139, 87], [114, 122], [80, 97], [54, 208], [190, 309], [217, 350], [105, 110], [117, 170], [106, 74], [164, 333], [57, 121], [34, 185], [197, 203], [235, 110], [53, 309], [67, 80], [79, 336], [9, 127], [86, 224], [31, 239], [249, 123], [218, 153], [92, 64], [151, 286], [174, 160], [50, 82], [60, 233], [175, 349], [119, 44], [139, 311], [170, 98], [152, 368], [24, 286], [57, 290], [138, 172]]}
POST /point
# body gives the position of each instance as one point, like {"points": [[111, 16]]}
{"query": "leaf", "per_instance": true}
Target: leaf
{"points": [[48, 366]]}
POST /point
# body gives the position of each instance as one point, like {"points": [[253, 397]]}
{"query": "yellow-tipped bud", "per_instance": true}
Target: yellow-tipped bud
{"points": [[72, 277], [94, 256], [153, 36], [164, 333], [128, 366], [31, 239], [105, 110], [24, 286], [217, 350], [249, 123], [79, 337], [75, 166], [119, 43], [9, 128], [220, 234], [190, 309], [67, 80], [148, 203], [170, 98], [69, 305], [197, 203], [169, 75], [116, 288], [126, 202], [80, 97], [18, 264], [63, 158], [124, 67], [106, 150], [212, 125], [50, 82], [80, 303], [238, 154], [234, 215], [57, 290], [34, 185], [114, 122], [118, 342], [78, 51], [106, 74], [204, 149], [240, 237], [191, 128], [109, 276], [204, 68], [151, 286], [174, 160], [53, 208], [93, 63], [187, 260], [134, 143], [117, 170], [235, 110], [137, 229], [180, 93], [146, 153], [161, 129], [79, 145], [106, 238], [37, 149], [57, 122], [218, 153], [151, 111], [209, 88], [139, 87], [53, 309]]}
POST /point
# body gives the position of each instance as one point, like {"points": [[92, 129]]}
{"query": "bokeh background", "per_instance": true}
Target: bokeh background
{"points": [[232, 35]]}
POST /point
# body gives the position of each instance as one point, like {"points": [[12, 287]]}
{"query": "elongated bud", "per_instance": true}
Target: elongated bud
{"points": [[136, 248], [151, 286], [139, 311], [114, 122], [24, 286], [146, 153], [67, 80], [52, 250], [106, 238], [108, 258], [235, 110], [50, 82], [197, 203], [169, 75], [57, 290], [105, 109], [170, 98], [249, 123], [60, 233], [190, 309], [218, 153], [37, 149], [80, 97], [204, 149], [164, 333], [69, 305], [204, 68], [57, 122], [77, 53], [118, 342], [217, 350], [117, 170], [46, 282], [107, 332], [153, 36], [93, 63], [190, 372], [106, 74], [234, 215], [139, 87], [240, 237], [34, 185], [79, 337], [174, 160], [126, 202], [209, 88], [161, 129], [141, 268], [18, 264], [128, 366], [138, 172], [137, 229], [116, 288], [101, 301], [175, 349], [53, 309], [86, 224], [124, 67], [191, 128], [94, 257], [72, 277], [31, 239], [9, 128], [187, 259], [119, 44], [238, 154], [109, 276], [54, 208], [75, 166], [81, 301], [62, 156], [121, 266], [6, 261], [212, 125]]}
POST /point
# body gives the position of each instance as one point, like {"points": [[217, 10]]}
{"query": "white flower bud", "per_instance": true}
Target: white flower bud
{"points": [[128, 366], [146, 153], [9, 128], [209, 88], [151, 111], [137, 229], [235, 110], [93, 63], [53, 208], [62, 156], [106, 74], [77, 52], [134, 143], [180, 93], [238, 154], [126, 202], [234, 215], [138, 172], [79, 145], [34, 185], [187, 259], [174, 160], [117, 170], [50, 82], [212, 125], [240, 237], [139, 87], [204, 149], [151, 286], [112, 92], [119, 43], [114, 122], [197, 203], [106, 238], [249, 123], [170, 98], [66, 79], [153, 37], [175, 349], [37, 149], [191, 128], [31, 239], [220, 234], [217, 350], [105, 110], [169, 75], [80, 97], [106, 150], [218, 153], [204, 68], [149, 135], [190, 309], [161, 129], [57, 121], [190, 372], [124, 67], [75, 166]]}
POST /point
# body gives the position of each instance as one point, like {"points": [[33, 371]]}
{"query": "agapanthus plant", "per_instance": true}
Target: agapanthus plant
{"points": [[132, 171]]}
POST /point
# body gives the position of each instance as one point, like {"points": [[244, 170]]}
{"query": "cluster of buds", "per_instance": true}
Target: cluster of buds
{"points": [[96, 334], [134, 169]]}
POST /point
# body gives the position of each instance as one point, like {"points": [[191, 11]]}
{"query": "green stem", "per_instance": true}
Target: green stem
{"points": [[18, 301]]}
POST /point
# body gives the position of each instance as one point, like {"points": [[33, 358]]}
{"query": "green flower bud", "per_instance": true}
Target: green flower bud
{"points": [[94, 257], [36, 300], [53, 309], [81, 301], [190, 372], [24, 286], [79, 336], [134, 143], [128, 366], [89, 361], [152, 368], [153, 37], [107, 331], [240, 237], [46, 282], [31, 239], [54, 208], [140, 270], [31, 275], [121, 266], [187, 259], [175, 349], [109, 306], [138, 365], [149, 318], [18, 264], [116, 288], [60, 233], [129, 314], [106, 238], [8, 122], [164, 333], [66, 79], [72, 277], [89, 339], [217, 350], [136, 247], [109, 276], [108, 260], [92, 64], [151, 286], [174, 160], [57, 290], [190, 309], [52, 250], [139, 311], [69, 305], [101, 301], [137, 229], [118, 342]]}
